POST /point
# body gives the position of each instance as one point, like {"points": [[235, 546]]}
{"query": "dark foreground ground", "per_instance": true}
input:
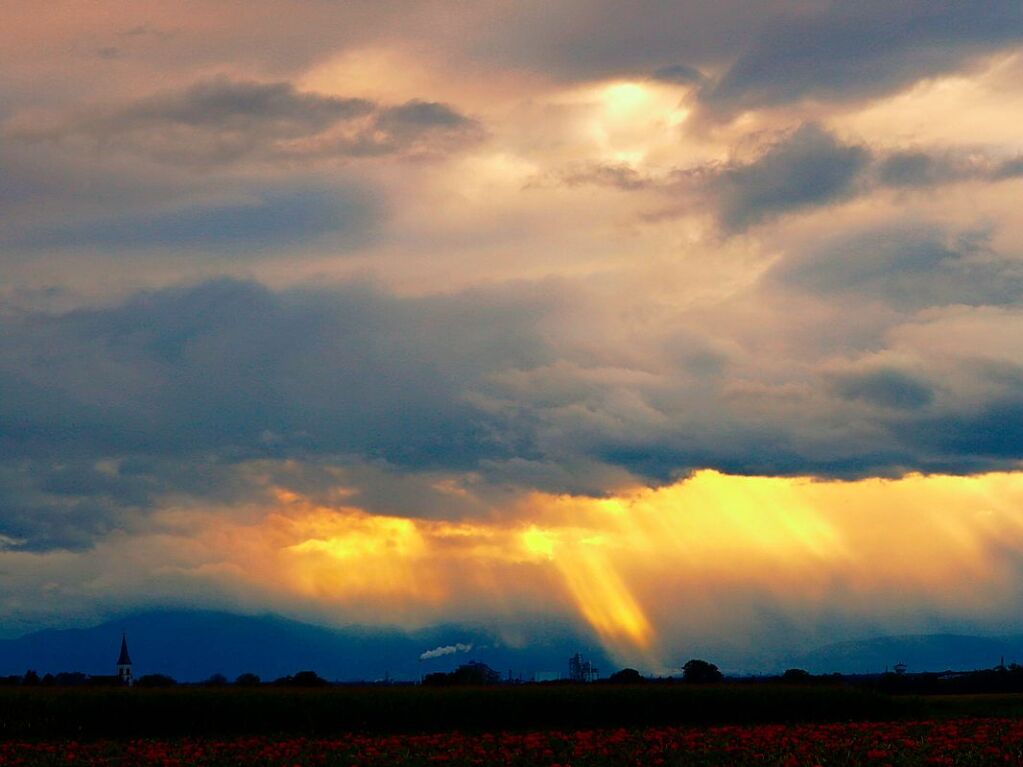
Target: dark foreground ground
{"points": [[89, 713], [837, 744], [192, 711], [528, 726]]}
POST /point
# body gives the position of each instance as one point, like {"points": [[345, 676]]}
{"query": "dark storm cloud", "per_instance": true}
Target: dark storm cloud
{"points": [[272, 219], [757, 449], [808, 168], [909, 268], [861, 50], [913, 169], [885, 387], [583, 40], [1009, 169], [813, 167], [991, 432], [276, 108], [198, 392], [419, 115], [588, 432], [225, 362], [418, 126], [69, 502], [781, 53], [229, 371], [680, 74], [920, 169], [223, 122], [906, 429]]}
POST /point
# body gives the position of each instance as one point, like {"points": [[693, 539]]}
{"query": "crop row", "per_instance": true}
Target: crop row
{"points": [[899, 744]]}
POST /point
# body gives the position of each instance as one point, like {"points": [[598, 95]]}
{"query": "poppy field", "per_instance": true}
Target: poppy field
{"points": [[578, 725], [952, 742]]}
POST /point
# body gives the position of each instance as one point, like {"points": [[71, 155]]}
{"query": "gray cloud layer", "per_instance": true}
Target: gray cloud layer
{"points": [[803, 169], [885, 387], [808, 168], [862, 50], [109, 411], [907, 267], [229, 372], [869, 351], [780, 54], [224, 122], [271, 218]]}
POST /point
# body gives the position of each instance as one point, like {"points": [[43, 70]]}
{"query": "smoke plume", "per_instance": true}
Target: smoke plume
{"points": [[439, 652]]}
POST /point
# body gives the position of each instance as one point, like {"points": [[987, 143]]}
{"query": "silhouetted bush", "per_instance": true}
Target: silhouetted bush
{"points": [[796, 676], [247, 680], [308, 679], [471, 673], [700, 672], [626, 676]]}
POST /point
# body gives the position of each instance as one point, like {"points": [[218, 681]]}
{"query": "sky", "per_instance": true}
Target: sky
{"points": [[695, 327]]}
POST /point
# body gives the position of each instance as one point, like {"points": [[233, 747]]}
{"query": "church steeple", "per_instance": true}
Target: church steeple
{"points": [[124, 664]]}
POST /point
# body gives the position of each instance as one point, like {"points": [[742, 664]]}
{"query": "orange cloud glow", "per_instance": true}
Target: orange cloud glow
{"points": [[653, 569]]}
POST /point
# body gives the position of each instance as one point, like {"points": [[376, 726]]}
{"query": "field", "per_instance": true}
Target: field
{"points": [[78, 712], [952, 742], [558, 725]]}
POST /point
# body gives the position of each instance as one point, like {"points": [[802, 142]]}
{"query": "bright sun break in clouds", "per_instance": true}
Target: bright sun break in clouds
{"points": [[636, 566], [650, 571], [684, 329]]}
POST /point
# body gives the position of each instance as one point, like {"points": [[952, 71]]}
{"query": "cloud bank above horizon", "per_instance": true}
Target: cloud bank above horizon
{"points": [[514, 312]]}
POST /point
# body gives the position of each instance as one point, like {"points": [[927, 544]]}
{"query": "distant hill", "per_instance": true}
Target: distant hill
{"points": [[192, 645], [920, 652]]}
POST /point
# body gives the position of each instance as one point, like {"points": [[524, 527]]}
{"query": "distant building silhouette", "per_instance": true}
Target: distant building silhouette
{"points": [[124, 664], [581, 670]]}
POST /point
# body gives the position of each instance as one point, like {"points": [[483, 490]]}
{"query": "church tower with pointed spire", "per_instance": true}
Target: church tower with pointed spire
{"points": [[124, 664]]}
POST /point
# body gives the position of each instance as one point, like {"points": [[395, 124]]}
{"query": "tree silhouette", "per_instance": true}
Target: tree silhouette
{"points": [[308, 679], [471, 673], [700, 672], [626, 676], [796, 676]]}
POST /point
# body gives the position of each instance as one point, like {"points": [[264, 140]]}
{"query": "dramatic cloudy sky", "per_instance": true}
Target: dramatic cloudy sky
{"points": [[692, 327]]}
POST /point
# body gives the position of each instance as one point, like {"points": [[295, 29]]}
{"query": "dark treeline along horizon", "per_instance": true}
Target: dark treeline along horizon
{"points": [[695, 672]]}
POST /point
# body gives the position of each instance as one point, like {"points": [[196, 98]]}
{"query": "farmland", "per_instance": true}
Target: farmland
{"points": [[727, 724], [187, 711], [950, 742]]}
